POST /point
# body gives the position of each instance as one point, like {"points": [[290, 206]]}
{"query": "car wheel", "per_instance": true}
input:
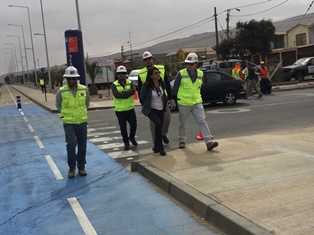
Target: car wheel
{"points": [[230, 98], [299, 76]]}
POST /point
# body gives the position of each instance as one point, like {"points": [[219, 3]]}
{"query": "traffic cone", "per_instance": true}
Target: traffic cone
{"points": [[201, 137], [135, 96]]}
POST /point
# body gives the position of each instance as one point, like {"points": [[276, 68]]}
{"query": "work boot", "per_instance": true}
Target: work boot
{"points": [[181, 145], [133, 141], [162, 151], [71, 172], [82, 172], [126, 146], [165, 139], [211, 145]]}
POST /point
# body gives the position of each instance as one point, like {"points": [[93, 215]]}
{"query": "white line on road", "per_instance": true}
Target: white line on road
{"points": [[54, 168], [40, 144], [25, 119], [81, 216], [30, 128]]}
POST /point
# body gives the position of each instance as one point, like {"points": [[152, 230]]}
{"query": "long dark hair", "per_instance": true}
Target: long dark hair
{"points": [[149, 81]]}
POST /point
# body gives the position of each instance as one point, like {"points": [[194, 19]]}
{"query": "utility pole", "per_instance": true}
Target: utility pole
{"points": [[216, 29]]}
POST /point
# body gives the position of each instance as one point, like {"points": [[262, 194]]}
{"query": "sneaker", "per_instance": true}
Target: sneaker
{"points": [[181, 145], [165, 139], [71, 172], [211, 145], [82, 172], [133, 141], [127, 146]]}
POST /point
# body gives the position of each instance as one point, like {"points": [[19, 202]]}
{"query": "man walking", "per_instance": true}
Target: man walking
{"points": [[236, 71], [72, 101], [142, 74], [123, 91], [252, 79], [42, 85], [187, 87]]}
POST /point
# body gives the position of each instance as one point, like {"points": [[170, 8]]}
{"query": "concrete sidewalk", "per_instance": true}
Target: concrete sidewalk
{"points": [[261, 184]]}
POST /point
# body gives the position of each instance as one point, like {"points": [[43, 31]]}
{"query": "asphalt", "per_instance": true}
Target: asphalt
{"points": [[258, 184]]}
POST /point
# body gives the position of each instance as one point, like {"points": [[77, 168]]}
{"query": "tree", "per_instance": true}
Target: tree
{"points": [[251, 38], [92, 70], [254, 37]]}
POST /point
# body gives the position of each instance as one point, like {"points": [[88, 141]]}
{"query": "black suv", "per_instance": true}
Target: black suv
{"points": [[299, 69]]}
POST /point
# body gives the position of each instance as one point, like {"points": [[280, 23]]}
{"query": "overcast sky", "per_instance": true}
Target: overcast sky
{"points": [[106, 24]]}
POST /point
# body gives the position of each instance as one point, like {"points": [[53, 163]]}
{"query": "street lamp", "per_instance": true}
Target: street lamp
{"points": [[14, 53], [15, 36], [19, 25], [31, 34], [228, 19], [45, 38]]}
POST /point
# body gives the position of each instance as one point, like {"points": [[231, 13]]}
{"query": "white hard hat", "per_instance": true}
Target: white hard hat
{"points": [[71, 71], [121, 69], [147, 54], [191, 58]]}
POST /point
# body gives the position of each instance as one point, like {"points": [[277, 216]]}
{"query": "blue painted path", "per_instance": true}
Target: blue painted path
{"points": [[110, 200]]}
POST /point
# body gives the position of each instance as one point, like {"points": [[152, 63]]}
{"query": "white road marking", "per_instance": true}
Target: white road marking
{"points": [[40, 144], [105, 139], [22, 113], [130, 153], [25, 119], [89, 130], [102, 133], [30, 128], [118, 145], [81, 216], [54, 168]]}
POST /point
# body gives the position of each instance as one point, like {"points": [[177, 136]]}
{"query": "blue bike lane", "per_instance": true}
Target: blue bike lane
{"points": [[38, 198]]}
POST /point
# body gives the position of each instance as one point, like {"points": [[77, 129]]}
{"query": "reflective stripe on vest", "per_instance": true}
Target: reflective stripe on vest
{"points": [[190, 93], [123, 104], [143, 74], [73, 109]]}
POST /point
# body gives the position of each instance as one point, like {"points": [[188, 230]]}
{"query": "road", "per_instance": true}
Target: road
{"points": [[38, 198], [286, 110]]}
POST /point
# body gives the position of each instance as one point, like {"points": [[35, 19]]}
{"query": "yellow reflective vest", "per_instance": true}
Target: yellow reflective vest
{"points": [[143, 74], [41, 82], [189, 93], [73, 109], [123, 104]]}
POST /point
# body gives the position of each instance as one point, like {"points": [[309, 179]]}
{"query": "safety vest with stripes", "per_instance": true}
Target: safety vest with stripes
{"points": [[189, 93], [123, 104]]}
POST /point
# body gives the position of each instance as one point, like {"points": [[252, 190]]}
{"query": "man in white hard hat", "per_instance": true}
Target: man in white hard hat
{"points": [[142, 74], [187, 87], [72, 101], [123, 91]]}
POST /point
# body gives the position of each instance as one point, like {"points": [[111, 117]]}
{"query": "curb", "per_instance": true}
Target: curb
{"points": [[204, 206]]}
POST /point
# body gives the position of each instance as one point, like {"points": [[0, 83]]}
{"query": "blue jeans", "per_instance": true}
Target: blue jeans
{"points": [[76, 134]]}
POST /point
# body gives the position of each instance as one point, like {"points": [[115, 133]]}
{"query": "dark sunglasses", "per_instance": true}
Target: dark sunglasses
{"points": [[121, 73], [191, 64], [156, 72], [73, 79], [148, 58]]}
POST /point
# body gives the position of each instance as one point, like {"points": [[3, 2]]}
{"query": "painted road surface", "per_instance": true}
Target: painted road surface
{"points": [[38, 198]]}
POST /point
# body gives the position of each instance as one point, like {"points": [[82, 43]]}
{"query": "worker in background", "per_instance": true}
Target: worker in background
{"points": [[142, 75], [237, 72], [42, 85], [265, 84], [123, 91]]}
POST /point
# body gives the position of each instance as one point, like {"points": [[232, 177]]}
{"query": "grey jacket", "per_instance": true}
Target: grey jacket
{"points": [[146, 97]]}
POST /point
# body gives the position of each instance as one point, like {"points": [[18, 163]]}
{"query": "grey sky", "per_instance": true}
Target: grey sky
{"points": [[106, 24]]}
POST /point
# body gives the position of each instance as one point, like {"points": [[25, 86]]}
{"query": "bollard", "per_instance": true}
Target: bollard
{"points": [[18, 101]]}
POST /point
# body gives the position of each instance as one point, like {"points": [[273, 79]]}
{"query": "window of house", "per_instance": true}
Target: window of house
{"points": [[300, 39]]}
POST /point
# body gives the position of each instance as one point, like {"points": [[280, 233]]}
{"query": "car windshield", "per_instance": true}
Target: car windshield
{"points": [[214, 66], [133, 74], [302, 61]]}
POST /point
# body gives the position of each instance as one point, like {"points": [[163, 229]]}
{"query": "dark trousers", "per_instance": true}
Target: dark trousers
{"points": [[157, 117], [43, 88], [124, 117], [265, 85], [76, 134]]}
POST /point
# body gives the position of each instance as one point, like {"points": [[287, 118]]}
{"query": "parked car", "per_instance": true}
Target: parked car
{"points": [[226, 66], [301, 68], [220, 87], [133, 76]]}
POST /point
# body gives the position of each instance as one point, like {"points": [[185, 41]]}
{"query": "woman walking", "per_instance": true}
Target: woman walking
{"points": [[154, 104]]}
